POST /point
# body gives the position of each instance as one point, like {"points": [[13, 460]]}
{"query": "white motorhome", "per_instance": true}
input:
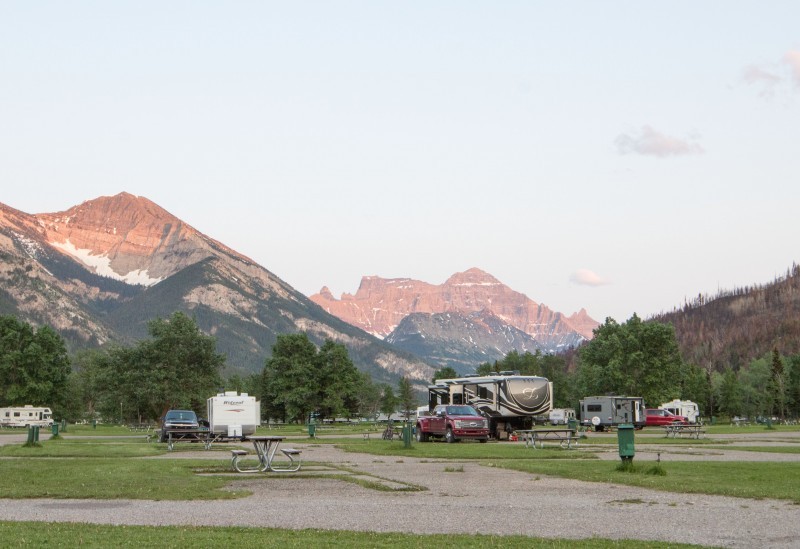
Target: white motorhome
{"points": [[233, 415], [24, 416], [685, 408], [508, 399]]}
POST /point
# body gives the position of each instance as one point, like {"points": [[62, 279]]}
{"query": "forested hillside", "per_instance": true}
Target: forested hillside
{"points": [[735, 327]]}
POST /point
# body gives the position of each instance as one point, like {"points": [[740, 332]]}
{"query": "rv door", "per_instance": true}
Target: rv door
{"points": [[637, 411]]}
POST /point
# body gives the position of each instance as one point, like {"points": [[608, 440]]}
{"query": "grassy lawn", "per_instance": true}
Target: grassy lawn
{"points": [[767, 449], [110, 478], [31, 534], [727, 478], [461, 450], [85, 448]]}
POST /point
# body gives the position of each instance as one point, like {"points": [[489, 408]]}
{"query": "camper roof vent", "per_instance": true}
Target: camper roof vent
{"points": [[509, 373]]}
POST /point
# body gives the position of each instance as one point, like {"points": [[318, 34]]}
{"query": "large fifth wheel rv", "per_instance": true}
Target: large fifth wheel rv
{"points": [[604, 412], [24, 416], [508, 400]]}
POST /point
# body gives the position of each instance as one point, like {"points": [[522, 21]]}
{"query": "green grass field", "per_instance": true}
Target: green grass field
{"points": [[31, 534]]}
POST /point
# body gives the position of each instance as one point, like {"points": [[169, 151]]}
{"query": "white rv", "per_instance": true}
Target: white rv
{"points": [[685, 408], [23, 416], [233, 415]]}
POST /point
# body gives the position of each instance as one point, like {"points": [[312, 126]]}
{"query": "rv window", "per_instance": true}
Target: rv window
{"points": [[483, 392], [458, 398], [594, 408]]}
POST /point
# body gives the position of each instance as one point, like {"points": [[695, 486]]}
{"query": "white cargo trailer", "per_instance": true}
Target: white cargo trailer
{"points": [[233, 415]]}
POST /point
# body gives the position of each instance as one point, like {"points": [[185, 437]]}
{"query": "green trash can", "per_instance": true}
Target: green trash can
{"points": [[312, 430], [572, 424], [55, 429], [626, 443], [407, 435], [94, 424]]}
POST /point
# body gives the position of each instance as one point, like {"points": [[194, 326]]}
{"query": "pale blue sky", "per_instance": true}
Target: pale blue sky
{"points": [[652, 147]]}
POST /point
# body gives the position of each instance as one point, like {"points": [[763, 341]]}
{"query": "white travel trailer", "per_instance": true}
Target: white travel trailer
{"points": [[685, 408], [24, 416], [561, 416], [233, 415], [604, 412], [509, 400]]}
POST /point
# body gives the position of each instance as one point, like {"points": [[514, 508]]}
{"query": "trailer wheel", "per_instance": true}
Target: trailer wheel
{"points": [[449, 436]]}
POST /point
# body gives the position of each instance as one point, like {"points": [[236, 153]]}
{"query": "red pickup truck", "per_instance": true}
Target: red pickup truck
{"points": [[453, 422]]}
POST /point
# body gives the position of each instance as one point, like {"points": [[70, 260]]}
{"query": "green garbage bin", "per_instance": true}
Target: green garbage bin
{"points": [[312, 430], [626, 443], [94, 424], [55, 429], [407, 435], [572, 424]]}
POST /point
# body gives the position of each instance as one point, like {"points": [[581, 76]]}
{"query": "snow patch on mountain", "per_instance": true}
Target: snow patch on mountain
{"points": [[102, 265]]}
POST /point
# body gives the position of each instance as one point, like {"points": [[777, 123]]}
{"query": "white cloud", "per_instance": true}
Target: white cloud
{"points": [[585, 277], [792, 58], [772, 77], [760, 76], [651, 142]]}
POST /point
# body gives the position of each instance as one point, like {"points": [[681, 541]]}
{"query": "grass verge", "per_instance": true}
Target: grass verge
{"points": [[31, 534], [757, 480]]}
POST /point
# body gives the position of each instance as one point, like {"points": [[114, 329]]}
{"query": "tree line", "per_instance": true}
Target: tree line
{"points": [[178, 367]]}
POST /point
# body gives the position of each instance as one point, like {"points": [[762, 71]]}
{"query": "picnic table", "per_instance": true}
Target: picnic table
{"points": [[565, 437], [188, 435], [692, 430], [266, 447]]}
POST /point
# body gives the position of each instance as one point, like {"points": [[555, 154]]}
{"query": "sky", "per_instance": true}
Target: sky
{"points": [[621, 157]]}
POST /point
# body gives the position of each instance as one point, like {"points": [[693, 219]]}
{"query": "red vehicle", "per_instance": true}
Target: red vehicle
{"points": [[453, 423], [656, 416]]}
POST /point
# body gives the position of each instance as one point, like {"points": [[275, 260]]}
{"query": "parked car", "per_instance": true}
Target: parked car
{"points": [[175, 420], [656, 416]]}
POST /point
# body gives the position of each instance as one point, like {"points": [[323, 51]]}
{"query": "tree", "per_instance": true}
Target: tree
{"points": [[287, 381], [177, 368], [34, 366], [405, 396], [444, 373], [389, 402], [730, 393], [299, 379], [634, 359], [778, 384]]}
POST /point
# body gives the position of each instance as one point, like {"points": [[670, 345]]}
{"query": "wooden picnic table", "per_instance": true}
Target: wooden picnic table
{"points": [[565, 437], [692, 430]]}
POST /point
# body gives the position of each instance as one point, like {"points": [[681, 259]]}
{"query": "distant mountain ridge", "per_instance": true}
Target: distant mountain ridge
{"points": [[99, 271], [738, 326], [382, 306]]}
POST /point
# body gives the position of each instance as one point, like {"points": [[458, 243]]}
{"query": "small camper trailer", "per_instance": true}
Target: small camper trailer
{"points": [[233, 415]]}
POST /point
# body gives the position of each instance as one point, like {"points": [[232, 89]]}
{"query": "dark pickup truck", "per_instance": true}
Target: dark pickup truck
{"points": [[453, 422]]}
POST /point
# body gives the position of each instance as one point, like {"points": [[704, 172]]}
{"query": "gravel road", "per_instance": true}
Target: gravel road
{"points": [[478, 500]]}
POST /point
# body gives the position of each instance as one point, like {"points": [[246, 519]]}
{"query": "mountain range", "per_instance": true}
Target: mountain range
{"points": [[101, 270], [469, 319]]}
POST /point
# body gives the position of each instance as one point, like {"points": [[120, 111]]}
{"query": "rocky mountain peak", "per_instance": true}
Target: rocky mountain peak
{"points": [[128, 238]]}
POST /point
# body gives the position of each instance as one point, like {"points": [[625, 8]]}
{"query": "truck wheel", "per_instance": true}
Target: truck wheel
{"points": [[421, 436], [449, 436], [484, 440]]}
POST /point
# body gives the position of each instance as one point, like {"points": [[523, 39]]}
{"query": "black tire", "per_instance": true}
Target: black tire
{"points": [[484, 440], [421, 436], [449, 437]]}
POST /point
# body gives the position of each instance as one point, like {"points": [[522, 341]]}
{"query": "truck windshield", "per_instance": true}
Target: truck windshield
{"points": [[461, 411]]}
